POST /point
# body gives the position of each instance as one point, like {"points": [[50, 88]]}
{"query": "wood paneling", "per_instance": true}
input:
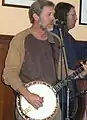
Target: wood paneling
{"points": [[7, 99]]}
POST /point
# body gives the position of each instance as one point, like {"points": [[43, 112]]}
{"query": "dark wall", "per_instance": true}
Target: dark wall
{"points": [[81, 48]]}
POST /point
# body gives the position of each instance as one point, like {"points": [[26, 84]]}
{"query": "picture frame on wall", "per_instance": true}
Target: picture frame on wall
{"points": [[83, 12], [18, 3]]}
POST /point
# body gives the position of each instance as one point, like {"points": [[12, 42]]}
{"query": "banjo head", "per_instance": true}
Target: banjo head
{"points": [[49, 108]]}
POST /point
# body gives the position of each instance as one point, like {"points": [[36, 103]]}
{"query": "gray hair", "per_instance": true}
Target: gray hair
{"points": [[37, 8]]}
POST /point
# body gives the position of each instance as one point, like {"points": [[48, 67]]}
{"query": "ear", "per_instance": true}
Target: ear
{"points": [[36, 17]]}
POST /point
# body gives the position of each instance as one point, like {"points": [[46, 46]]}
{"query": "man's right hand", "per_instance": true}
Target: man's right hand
{"points": [[35, 100]]}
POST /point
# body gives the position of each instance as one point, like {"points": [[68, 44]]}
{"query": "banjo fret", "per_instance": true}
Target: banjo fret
{"points": [[63, 83]]}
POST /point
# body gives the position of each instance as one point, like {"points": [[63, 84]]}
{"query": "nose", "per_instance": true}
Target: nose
{"points": [[76, 18]]}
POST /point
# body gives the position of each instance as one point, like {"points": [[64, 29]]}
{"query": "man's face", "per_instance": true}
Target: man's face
{"points": [[71, 18], [46, 17]]}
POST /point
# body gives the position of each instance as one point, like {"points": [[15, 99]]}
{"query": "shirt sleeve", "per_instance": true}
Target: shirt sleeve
{"points": [[13, 63]]}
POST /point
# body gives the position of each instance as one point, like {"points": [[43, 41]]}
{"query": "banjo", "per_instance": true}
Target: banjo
{"points": [[50, 109]]}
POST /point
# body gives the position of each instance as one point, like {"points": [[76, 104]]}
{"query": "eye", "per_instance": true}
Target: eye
{"points": [[49, 14], [73, 15]]}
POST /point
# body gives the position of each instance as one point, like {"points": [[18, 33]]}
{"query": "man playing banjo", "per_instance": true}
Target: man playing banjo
{"points": [[33, 52]]}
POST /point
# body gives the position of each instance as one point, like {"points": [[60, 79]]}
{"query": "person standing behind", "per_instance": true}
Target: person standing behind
{"points": [[65, 20], [30, 53]]}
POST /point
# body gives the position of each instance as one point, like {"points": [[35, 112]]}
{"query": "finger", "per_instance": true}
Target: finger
{"points": [[36, 106], [41, 99], [39, 103], [81, 63]]}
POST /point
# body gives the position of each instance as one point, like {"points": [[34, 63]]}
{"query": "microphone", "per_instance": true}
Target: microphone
{"points": [[59, 22]]}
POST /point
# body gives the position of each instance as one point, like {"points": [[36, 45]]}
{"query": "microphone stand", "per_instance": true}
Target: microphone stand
{"points": [[66, 70]]}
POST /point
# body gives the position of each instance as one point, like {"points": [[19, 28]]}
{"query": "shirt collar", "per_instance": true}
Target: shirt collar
{"points": [[50, 37]]}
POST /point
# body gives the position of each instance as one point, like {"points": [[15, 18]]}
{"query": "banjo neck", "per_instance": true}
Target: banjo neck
{"points": [[63, 83], [76, 72]]}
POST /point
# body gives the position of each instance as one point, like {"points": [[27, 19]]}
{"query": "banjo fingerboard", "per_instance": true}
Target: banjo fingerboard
{"points": [[63, 83]]}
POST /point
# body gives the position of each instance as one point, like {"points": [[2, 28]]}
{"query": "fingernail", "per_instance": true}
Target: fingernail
{"points": [[41, 105]]}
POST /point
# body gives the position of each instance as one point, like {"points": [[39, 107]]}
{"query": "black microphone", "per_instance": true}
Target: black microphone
{"points": [[59, 22]]}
